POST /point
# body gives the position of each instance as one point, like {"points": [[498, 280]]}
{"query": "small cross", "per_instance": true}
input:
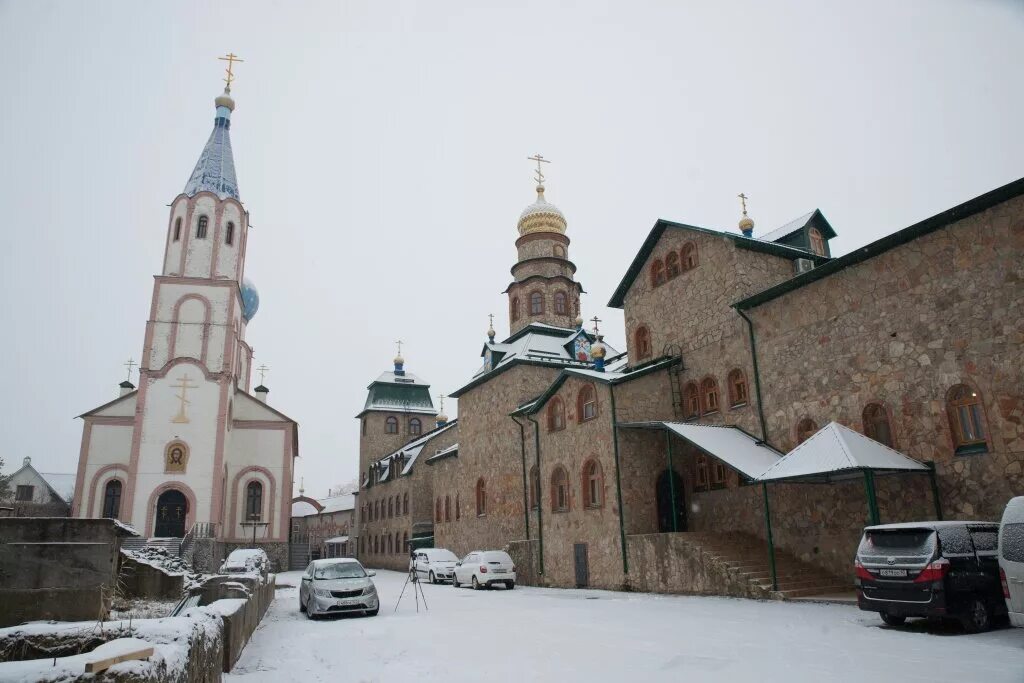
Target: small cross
{"points": [[743, 200], [398, 342], [441, 396], [263, 370], [231, 58], [490, 321], [130, 364], [595, 320], [539, 158]]}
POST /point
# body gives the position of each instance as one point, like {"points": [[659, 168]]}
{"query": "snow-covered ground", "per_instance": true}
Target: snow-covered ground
{"points": [[538, 634]]}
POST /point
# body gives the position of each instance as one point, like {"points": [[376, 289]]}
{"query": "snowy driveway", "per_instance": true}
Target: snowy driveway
{"points": [[540, 634]]}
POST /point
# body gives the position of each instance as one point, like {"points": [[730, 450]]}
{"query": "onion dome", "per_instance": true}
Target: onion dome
{"points": [[541, 216], [578, 322], [598, 349], [250, 299], [225, 100], [747, 225]]}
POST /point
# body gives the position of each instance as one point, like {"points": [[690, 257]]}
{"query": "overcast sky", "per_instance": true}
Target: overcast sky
{"points": [[381, 150]]}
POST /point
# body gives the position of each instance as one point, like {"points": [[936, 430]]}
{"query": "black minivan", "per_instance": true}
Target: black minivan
{"points": [[931, 569]]}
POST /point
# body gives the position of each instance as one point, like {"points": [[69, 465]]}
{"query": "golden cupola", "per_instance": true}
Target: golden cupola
{"points": [[541, 216]]}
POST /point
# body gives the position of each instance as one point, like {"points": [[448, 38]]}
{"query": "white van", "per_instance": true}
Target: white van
{"points": [[1011, 558]]}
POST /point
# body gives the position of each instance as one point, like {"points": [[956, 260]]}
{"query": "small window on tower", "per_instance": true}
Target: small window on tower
{"points": [[536, 303], [229, 234], [177, 228], [204, 223]]}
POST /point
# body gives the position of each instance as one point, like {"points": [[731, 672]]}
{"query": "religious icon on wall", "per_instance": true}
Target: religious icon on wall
{"points": [[581, 348], [176, 458]]}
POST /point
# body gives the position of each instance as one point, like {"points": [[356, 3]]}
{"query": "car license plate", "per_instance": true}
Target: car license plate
{"points": [[500, 571], [893, 572]]}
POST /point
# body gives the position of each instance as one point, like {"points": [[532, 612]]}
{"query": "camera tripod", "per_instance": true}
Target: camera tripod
{"points": [[417, 590]]}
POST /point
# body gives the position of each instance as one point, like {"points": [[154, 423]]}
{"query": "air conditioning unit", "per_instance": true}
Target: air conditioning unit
{"points": [[803, 265]]}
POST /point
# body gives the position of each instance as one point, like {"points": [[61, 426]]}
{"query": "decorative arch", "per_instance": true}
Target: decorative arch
{"points": [[556, 414], [559, 490], [176, 322], [558, 251], [642, 342], [121, 473], [237, 487], [657, 273], [190, 497], [592, 484]]}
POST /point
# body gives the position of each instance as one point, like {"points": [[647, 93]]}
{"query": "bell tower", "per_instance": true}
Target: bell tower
{"points": [[543, 289]]}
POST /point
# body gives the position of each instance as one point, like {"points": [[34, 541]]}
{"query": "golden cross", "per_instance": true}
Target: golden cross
{"points": [[231, 58], [130, 364], [743, 200], [539, 158], [399, 343], [263, 370], [595, 320], [183, 384], [490, 321]]}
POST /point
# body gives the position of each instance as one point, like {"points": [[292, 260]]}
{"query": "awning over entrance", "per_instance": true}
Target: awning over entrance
{"points": [[741, 451], [836, 452], [337, 539]]}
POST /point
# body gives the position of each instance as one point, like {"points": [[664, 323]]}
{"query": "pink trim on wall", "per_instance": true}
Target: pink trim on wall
{"points": [[133, 460], [83, 457], [190, 516], [218, 451], [112, 420], [147, 342], [235, 491], [94, 484], [289, 481], [186, 239], [169, 365], [207, 315], [259, 424], [218, 221], [242, 245]]}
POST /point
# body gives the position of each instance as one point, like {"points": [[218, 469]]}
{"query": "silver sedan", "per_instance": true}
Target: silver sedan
{"points": [[337, 586]]}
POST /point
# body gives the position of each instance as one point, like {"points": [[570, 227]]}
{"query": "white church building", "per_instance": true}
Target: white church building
{"points": [[193, 445]]}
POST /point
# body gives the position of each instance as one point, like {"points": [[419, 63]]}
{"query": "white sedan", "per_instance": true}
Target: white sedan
{"points": [[434, 564], [485, 568]]}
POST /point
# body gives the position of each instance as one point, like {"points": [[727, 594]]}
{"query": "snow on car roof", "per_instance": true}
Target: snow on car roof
{"points": [[928, 525]]}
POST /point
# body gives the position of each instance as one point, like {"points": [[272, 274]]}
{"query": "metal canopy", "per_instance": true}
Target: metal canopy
{"points": [[746, 454]]}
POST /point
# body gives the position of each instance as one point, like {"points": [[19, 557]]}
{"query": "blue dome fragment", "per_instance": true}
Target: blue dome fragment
{"points": [[250, 299]]}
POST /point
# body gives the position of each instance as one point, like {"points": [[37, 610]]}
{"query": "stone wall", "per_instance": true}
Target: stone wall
{"points": [[671, 563], [140, 580]]}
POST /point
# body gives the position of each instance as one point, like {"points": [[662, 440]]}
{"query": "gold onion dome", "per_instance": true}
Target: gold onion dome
{"points": [[224, 100], [746, 223], [541, 216], [399, 360], [597, 349]]}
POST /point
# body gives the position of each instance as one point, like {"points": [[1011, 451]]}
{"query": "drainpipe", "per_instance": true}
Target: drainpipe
{"points": [[757, 375], [522, 448], [540, 498], [869, 487], [618, 482], [935, 489]]}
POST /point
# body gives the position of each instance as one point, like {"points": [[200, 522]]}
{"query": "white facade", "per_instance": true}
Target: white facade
{"points": [[185, 446]]}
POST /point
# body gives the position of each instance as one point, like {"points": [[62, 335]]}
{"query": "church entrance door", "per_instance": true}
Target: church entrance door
{"points": [[667, 489], [171, 510]]}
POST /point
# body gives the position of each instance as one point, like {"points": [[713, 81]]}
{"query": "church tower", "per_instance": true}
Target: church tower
{"points": [[192, 447], [543, 289]]}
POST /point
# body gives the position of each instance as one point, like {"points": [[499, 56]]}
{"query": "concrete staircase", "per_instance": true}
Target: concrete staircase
{"points": [[745, 557], [171, 545]]}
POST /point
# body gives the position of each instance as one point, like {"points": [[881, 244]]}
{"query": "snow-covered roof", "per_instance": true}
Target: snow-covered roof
{"points": [[788, 228], [944, 524], [339, 503], [215, 170], [733, 446], [539, 342], [410, 451], [399, 391], [444, 453], [834, 449], [303, 508], [337, 539]]}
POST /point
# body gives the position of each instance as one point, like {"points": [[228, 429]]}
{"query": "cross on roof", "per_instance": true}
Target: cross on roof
{"points": [[743, 200], [399, 343], [539, 158], [263, 370], [130, 364], [595, 320], [230, 58]]}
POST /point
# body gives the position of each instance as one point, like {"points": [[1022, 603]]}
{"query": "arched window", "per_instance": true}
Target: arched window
{"points": [[691, 400], [876, 424], [112, 499], [702, 472], [391, 507], [458, 508], [559, 490], [415, 426], [405, 540], [967, 419], [376, 510], [805, 429], [709, 395], [229, 233], [254, 501], [717, 474], [177, 228], [556, 415], [481, 498], [376, 544], [536, 303], [534, 488], [559, 251], [447, 508], [405, 504], [737, 388], [204, 222], [586, 404], [642, 336], [390, 548], [817, 242], [398, 545], [391, 425], [513, 309], [657, 272], [672, 265], [689, 256], [561, 304], [593, 485], [437, 509]]}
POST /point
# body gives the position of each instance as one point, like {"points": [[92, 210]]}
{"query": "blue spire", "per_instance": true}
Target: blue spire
{"points": [[215, 170]]}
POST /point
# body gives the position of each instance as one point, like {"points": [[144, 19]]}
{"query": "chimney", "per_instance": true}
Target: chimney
{"points": [[261, 393], [126, 387]]}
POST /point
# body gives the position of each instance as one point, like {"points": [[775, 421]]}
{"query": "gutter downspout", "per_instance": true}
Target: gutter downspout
{"points": [[935, 489], [618, 482], [540, 498], [757, 375], [522, 448]]}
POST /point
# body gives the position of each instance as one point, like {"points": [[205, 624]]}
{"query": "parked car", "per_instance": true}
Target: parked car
{"points": [[1011, 559], [337, 585], [434, 564], [246, 561], [485, 568], [931, 569]]}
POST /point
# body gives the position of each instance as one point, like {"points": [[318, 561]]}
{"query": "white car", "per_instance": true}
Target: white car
{"points": [[1011, 559], [246, 561], [485, 568], [434, 564], [336, 586]]}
